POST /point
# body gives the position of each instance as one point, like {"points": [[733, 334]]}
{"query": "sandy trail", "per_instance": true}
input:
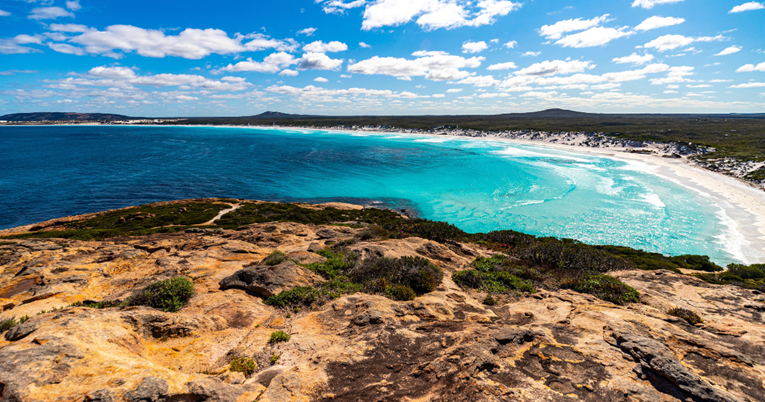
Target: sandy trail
{"points": [[234, 207]]}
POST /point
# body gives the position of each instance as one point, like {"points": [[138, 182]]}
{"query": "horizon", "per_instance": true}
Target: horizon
{"points": [[381, 58]]}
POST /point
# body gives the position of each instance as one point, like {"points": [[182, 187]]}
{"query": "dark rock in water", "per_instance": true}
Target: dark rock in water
{"points": [[267, 281], [152, 389]]}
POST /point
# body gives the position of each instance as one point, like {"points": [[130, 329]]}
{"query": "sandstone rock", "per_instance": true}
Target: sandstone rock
{"points": [[305, 257], [215, 390], [103, 395], [22, 330], [266, 376], [267, 281], [151, 390], [40, 246]]}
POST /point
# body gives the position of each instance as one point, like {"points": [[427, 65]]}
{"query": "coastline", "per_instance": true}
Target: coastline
{"points": [[741, 204]]}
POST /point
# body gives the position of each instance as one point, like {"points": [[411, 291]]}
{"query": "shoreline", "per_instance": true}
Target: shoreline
{"points": [[741, 204]]}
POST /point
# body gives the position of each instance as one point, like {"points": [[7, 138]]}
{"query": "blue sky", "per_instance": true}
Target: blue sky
{"points": [[347, 57]]}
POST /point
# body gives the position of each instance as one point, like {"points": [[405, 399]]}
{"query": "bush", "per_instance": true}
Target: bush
{"points": [[696, 262], [755, 271], [275, 358], [441, 232], [689, 316], [300, 295], [495, 282], [606, 288], [338, 263], [243, 365], [415, 272], [400, 292], [275, 258], [279, 336], [168, 295], [489, 301], [101, 305]]}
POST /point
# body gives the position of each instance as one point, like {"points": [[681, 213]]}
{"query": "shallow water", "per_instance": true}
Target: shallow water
{"points": [[56, 171]]}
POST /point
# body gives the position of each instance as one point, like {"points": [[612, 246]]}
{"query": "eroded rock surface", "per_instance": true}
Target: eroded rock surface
{"points": [[443, 346]]}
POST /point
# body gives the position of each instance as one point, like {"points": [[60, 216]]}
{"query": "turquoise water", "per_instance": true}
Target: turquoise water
{"points": [[474, 184]]}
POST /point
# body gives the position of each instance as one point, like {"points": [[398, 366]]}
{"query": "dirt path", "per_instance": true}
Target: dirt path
{"points": [[234, 207]]}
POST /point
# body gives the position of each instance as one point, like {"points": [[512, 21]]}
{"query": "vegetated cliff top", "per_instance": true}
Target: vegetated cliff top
{"points": [[335, 302], [59, 116]]}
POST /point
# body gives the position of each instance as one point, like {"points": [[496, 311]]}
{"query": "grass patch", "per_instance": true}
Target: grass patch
{"points": [[251, 213], [689, 316], [338, 263], [102, 304], [168, 295], [606, 288], [243, 365], [139, 221], [275, 258], [7, 243], [9, 323], [275, 358], [278, 337], [745, 276]]}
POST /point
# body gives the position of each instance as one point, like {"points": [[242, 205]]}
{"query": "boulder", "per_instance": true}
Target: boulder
{"points": [[152, 389], [266, 281]]}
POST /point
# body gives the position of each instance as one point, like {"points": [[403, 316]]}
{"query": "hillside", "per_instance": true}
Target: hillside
{"points": [[280, 302], [57, 116]]}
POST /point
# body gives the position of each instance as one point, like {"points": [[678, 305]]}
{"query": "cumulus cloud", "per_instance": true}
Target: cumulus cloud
{"points": [[73, 5], [320, 79], [318, 92], [749, 85], [671, 42], [289, 73], [49, 13], [8, 46], [502, 66], [649, 4], [307, 31], [436, 66], [750, 6], [340, 6], [189, 43], [474, 47], [4, 13], [435, 14], [125, 77], [318, 61], [556, 67], [454, 90], [675, 75], [511, 45], [658, 22], [321, 47], [364, 45], [597, 36], [479, 81], [531, 54], [634, 58], [751, 67], [69, 28], [557, 30], [67, 49], [271, 64], [730, 50]]}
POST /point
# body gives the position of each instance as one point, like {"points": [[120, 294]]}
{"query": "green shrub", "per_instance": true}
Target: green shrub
{"points": [[606, 288], [489, 301], [243, 365], [102, 304], [696, 262], [495, 281], [689, 316], [8, 324], [441, 232], [279, 336], [469, 278], [400, 292], [415, 272], [338, 263], [168, 295], [275, 258], [299, 295], [756, 271], [251, 213], [275, 358]]}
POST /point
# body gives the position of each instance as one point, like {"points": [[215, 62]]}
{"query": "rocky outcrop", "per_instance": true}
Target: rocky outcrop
{"points": [[443, 346]]}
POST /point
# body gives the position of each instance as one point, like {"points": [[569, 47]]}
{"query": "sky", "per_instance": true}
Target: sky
{"points": [[381, 57]]}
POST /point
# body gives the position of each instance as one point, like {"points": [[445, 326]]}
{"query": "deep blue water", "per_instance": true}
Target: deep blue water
{"points": [[49, 172]]}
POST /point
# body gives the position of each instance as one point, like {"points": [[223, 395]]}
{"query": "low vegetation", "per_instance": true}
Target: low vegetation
{"points": [[606, 288], [275, 258], [168, 295], [275, 358], [279, 336], [251, 213], [9, 323], [746, 276], [243, 365], [101, 304], [689, 316]]}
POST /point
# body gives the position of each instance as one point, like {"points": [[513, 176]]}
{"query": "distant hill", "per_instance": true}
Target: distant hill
{"points": [[57, 116], [279, 115]]}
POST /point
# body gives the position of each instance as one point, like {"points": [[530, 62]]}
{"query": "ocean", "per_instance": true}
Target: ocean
{"points": [[478, 185]]}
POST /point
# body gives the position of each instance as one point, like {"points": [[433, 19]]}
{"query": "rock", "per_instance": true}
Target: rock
{"points": [[103, 395], [326, 234], [40, 246], [22, 330], [132, 253], [152, 389], [517, 336], [305, 257], [195, 230], [264, 377], [654, 356], [267, 281], [215, 390], [314, 247]]}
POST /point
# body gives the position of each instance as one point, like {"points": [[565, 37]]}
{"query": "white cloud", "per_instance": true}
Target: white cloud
{"points": [[699, 86], [454, 90], [189, 43], [364, 45], [27, 39], [729, 50], [73, 5], [289, 73], [340, 6], [125, 77], [649, 4], [68, 28], [658, 22], [4, 13], [671, 42], [479, 81], [320, 79], [67, 49], [750, 6], [318, 61], [634, 58], [307, 31], [318, 92], [556, 67], [271, 64], [597, 36], [435, 14], [49, 13], [474, 47], [7, 73], [751, 67], [8, 46], [321, 47], [531, 54], [436, 66], [502, 66], [675, 75], [556, 31], [749, 85], [511, 45], [439, 96]]}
